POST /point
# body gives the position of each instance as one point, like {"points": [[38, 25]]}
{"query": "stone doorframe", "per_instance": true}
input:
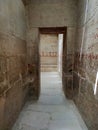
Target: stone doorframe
{"points": [[58, 30], [33, 54]]}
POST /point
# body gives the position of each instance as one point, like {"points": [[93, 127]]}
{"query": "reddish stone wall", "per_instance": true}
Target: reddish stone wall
{"points": [[13, 61], [86, 63]]}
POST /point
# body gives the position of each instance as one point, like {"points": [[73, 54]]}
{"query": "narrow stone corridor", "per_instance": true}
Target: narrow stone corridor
{"points": [[52, 111]]}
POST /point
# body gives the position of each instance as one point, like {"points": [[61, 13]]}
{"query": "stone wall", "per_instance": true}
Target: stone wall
{"points": [[51, 13], [86, 62], [13, 65], [48, 52]]}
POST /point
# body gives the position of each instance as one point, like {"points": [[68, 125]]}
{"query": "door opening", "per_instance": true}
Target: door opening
{"points": [[52, 50]]}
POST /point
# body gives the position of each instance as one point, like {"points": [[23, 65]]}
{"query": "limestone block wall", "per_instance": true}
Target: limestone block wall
{"points": [[13, 66], [48, 52], [86, 62], [51, 13], [33, 54]]}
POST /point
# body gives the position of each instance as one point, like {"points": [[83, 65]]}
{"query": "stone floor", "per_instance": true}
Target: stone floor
{"points": [[52, 112]]}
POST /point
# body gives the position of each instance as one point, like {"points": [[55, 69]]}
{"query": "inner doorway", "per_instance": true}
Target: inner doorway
{"points": [[49, 52]]}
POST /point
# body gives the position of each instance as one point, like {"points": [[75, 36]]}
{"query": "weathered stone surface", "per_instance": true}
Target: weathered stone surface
{"points": [[13, 64], [86, 62], [87, 104], [53, 13]]}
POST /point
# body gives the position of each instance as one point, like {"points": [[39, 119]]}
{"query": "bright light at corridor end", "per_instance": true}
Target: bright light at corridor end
{"points": [[96, 84]]}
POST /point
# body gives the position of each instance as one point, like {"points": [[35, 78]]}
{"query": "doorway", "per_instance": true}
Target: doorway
{"points": [[52, 50]]}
